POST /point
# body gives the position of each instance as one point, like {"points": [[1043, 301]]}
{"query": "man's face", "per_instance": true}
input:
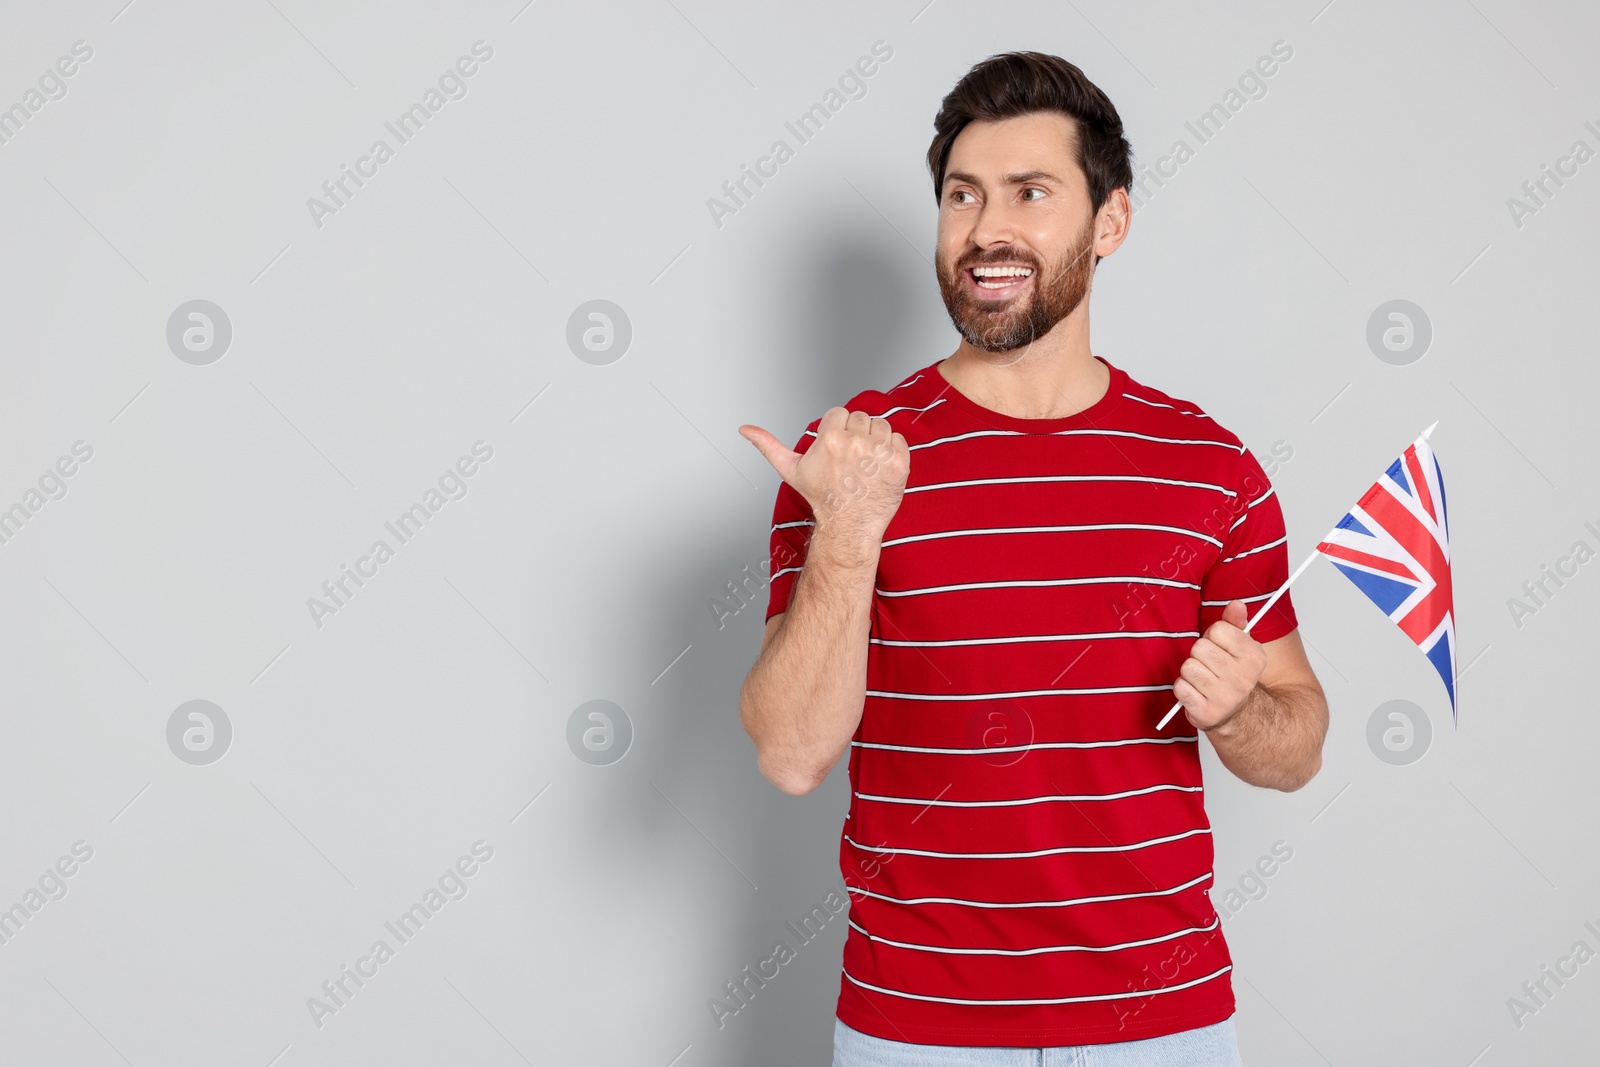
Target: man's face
{"points": [[1017, 240]]}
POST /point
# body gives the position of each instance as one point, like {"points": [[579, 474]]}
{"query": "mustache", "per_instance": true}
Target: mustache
{"points": [[993, 256]]}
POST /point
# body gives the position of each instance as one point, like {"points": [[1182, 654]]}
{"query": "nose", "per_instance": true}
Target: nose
{"points": [[995, 224]]}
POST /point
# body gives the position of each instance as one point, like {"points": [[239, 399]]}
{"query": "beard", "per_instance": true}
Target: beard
{"points": [[1021, 320]]}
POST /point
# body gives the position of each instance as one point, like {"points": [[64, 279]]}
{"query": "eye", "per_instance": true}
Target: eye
{"points": [[1033, 189], [955, 197]]}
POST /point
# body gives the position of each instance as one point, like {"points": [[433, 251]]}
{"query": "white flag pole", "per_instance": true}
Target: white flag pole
{"points": [[1273, 599]]}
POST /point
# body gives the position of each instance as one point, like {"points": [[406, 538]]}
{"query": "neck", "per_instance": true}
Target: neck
{"points": [[1051, 378]]}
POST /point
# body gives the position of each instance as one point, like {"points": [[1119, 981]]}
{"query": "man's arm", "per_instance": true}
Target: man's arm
{"points": [[803, 699], [1260, 704]]}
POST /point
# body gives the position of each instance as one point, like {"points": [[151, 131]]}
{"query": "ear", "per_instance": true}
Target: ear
{"points": [[1112, 222]]}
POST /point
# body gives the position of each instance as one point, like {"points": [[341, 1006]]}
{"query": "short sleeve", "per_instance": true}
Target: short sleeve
{"points": [[1254, 560], [792, 523]]}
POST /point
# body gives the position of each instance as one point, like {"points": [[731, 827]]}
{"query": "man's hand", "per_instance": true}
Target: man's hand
{"points": [[1222, 670], [853, 475], [803, 700], [1260, 705]]}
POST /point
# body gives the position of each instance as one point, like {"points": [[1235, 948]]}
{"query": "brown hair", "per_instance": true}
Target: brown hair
{"points": [[1017, 83]]}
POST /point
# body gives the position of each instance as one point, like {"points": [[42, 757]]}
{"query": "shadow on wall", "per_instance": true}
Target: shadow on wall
{"points": [[853, 321], [851, 326], [842, 308]]}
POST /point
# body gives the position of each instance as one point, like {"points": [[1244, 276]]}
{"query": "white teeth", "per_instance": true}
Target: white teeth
{"points": [[1003, 277]]}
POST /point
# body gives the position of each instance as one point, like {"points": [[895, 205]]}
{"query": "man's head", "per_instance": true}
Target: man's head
{"points": [[1030, 169]]}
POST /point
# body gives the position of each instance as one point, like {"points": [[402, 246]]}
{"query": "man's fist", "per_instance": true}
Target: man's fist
{"points": [[853, 474], [1222, 670]]}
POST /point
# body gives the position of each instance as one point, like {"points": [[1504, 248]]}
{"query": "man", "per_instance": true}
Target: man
{"points": [[993, 630]]}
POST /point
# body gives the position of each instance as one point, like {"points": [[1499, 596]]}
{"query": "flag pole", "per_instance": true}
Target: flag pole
{"points": [[1271, 600], [1274, 597]]}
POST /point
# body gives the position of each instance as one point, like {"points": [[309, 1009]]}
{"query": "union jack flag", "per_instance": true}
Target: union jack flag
{"points": [[1395, 546]]}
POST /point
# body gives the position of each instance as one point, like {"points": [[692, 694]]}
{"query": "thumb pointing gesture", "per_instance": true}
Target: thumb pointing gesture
{"points": [[852, 473], [783, 460]]}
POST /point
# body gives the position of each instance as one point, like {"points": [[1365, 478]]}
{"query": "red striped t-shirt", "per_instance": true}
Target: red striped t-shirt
{"points": [[1029, 860]]}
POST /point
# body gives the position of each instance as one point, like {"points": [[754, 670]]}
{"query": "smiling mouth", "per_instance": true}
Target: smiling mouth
{"points": [[999, 281]]}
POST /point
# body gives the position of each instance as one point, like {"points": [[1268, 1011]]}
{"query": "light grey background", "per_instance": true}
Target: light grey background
{"points": [[431, 311]]}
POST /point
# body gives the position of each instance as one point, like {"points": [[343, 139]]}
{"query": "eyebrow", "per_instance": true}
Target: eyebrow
{"points": [[1009, 179]]}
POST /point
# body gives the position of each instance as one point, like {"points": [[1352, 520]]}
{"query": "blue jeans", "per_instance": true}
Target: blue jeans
{"points": [[1205, 1046]]}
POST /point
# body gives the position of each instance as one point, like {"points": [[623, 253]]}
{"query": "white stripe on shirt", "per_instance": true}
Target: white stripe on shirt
{"points": [[936, 803], [1259, 548], [1032, 853], [891, 411], [1230, 600], [1180, 411], [1175, 740], [893, 643], [1052, 1000], [1073, 433], [1067, 903], [1072, 478], [1040, 583], [1245, 514], [1035, 951], [1019, 693], [942, 534]]}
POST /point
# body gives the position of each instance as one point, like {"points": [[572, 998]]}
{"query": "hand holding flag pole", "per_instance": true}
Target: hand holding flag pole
{"points": [[1395, 546], [1271, 600]]}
